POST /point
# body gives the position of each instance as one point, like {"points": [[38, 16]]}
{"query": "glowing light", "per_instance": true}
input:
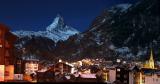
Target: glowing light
{"points": [[60, 60], [118, 69], [72, 70], [9, 72], [124, 62], [0, 46], [74, 63], [31, 68], [67, 63], [105, 76], [2, 72], [140, 79], [80, 63], [118, 60]]}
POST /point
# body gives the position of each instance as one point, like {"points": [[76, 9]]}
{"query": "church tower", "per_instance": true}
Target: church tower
{"points": [[151, 61]]}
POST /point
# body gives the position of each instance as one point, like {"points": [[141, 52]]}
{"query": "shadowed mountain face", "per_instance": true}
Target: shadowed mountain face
{"points": [[40, 48], [123, 31]]}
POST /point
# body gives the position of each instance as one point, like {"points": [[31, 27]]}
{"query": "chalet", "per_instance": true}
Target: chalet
{"points": [[7, 40], [31, 66], [46, 76], [56, 73], [62, 68]]}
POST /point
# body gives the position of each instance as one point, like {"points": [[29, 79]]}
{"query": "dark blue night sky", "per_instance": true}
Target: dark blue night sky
{"points": [[38, 14]]}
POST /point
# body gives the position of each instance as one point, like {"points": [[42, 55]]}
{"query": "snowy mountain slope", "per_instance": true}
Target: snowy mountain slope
{"points": [[58, 30], [124, 31], [127, 33], [120, 8]]}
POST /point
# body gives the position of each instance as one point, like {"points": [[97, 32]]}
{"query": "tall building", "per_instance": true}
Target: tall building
{"points": [[122, 74], [7, 40]]}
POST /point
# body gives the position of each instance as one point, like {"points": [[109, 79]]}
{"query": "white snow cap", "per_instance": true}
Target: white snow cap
{"points": [[58, 22]]}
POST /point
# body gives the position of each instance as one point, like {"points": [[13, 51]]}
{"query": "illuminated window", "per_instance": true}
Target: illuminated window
{"points": [[118, 70], [118, 60]]}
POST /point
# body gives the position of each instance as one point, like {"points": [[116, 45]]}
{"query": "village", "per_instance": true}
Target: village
{"points": [[117, 71]]}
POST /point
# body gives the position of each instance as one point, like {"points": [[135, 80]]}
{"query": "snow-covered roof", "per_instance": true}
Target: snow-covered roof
{"points": [[88, 75], [68, 77]]}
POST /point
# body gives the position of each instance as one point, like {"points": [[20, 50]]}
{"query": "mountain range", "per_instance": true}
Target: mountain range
{"points": [[123, 31]]}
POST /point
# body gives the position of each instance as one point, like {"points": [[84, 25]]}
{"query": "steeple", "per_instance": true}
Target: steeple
{"points": [[151, 60], [151, 56]]}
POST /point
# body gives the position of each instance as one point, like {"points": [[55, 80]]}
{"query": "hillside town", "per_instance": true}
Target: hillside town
{"points": [[117, 71]]}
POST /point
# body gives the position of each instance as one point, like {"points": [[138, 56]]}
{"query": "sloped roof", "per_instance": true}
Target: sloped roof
{"points": [[9, 36], [88, 75]]}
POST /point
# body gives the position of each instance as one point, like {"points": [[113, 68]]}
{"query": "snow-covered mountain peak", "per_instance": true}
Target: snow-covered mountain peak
{"points": [[58, 30], [57, 23]]}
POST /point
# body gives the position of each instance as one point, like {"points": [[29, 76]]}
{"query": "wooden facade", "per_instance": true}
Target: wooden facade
{"points": [[7, 40], [62, 68]]}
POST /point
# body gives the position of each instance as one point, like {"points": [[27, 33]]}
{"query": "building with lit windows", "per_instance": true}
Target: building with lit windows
{"points": [[63, 67], [149, 74], [7, 40], [31, 66], [122, 74]]}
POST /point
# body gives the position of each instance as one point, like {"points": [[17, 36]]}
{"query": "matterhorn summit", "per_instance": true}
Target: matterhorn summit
{"points": [[57, 23], [56, 31]]}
